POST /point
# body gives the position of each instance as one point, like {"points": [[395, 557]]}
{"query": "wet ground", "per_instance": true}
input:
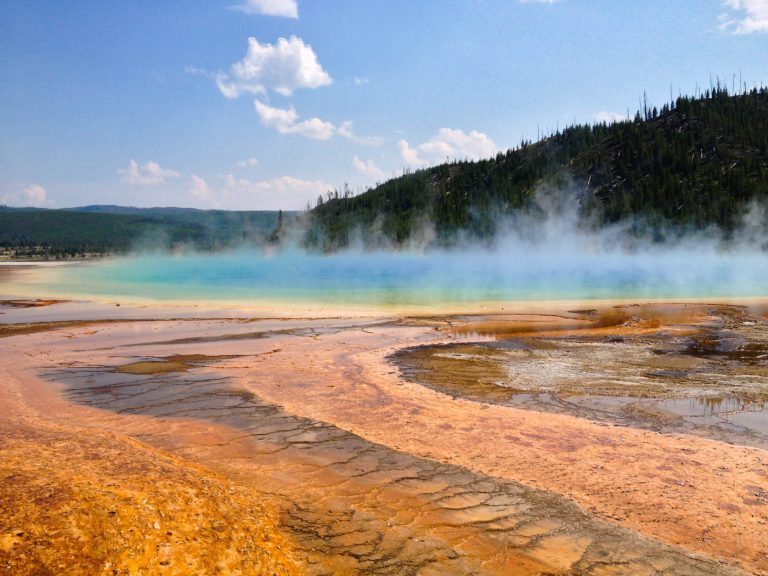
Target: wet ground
{"points": [[706, 374], [352, 506], [355, 470]]}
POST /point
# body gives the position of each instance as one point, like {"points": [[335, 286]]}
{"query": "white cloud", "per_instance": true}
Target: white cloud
{"points": [[286, 192], [448, 144], [285, 8], [282, 67], [312, 128], [248, 163], [285, 121], [199, 188], [345, 131], [34, 195], [233, 193], [610, 117], [361, 81], [150, 174], [276, 117], [410, 155], [753, 17], [368, 168]]}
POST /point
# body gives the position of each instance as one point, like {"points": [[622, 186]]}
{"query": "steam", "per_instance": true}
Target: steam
{"points": [[557, 219], [549, 251]]}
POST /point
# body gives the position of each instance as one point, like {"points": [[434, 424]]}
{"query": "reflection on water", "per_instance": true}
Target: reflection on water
{"points": [[748, 414], [708, 415]]}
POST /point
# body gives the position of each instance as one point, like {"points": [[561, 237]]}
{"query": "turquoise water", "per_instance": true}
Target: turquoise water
{"points": [[411, 278]]}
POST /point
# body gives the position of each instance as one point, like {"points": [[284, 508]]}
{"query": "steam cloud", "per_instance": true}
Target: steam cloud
{"points": [[549, 251]]}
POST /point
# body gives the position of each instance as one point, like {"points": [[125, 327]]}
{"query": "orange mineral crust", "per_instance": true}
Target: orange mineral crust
{"points": [[544, 442], [77, 501]]}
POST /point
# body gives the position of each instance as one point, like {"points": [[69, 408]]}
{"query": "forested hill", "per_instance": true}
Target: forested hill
{"points": [[96, 230], [694, 162]]}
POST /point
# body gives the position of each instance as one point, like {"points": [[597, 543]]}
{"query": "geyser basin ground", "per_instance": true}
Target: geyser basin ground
{"points": [[295, 446], [705, 373], [439, 279]]}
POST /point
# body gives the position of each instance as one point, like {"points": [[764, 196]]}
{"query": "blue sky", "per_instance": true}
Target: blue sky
{"points": [[266, 103]]}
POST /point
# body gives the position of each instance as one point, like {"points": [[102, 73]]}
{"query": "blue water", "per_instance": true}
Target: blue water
{"points": [[412, 278]]}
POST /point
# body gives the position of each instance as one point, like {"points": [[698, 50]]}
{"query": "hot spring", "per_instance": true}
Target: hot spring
{"points": [[427, 279]]}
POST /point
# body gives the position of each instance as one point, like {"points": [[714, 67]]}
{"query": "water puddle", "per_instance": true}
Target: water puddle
{"points": [[751, 415]]}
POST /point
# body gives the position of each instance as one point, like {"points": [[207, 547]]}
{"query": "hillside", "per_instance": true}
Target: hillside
{"points": [[90, 230], [693, 163], [218, 228]]}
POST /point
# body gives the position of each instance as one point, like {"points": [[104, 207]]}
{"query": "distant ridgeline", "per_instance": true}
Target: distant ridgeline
{"points": [[693, 163], [98, 230]]}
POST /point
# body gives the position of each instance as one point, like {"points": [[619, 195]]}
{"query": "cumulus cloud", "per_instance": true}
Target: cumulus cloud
{"points": [[368, 168], [34, 195], [284, 8], [276, 117], [286, 192], [282, 67], [752, 17], [286, 121], [609, 117], [150, 174], [448, 144], [314, 128]]}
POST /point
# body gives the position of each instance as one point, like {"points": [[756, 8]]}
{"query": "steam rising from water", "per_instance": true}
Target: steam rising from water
{"points": [[546, 255]]}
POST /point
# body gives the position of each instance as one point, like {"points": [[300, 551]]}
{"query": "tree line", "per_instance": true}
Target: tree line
{"points": [[694, 162]]}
